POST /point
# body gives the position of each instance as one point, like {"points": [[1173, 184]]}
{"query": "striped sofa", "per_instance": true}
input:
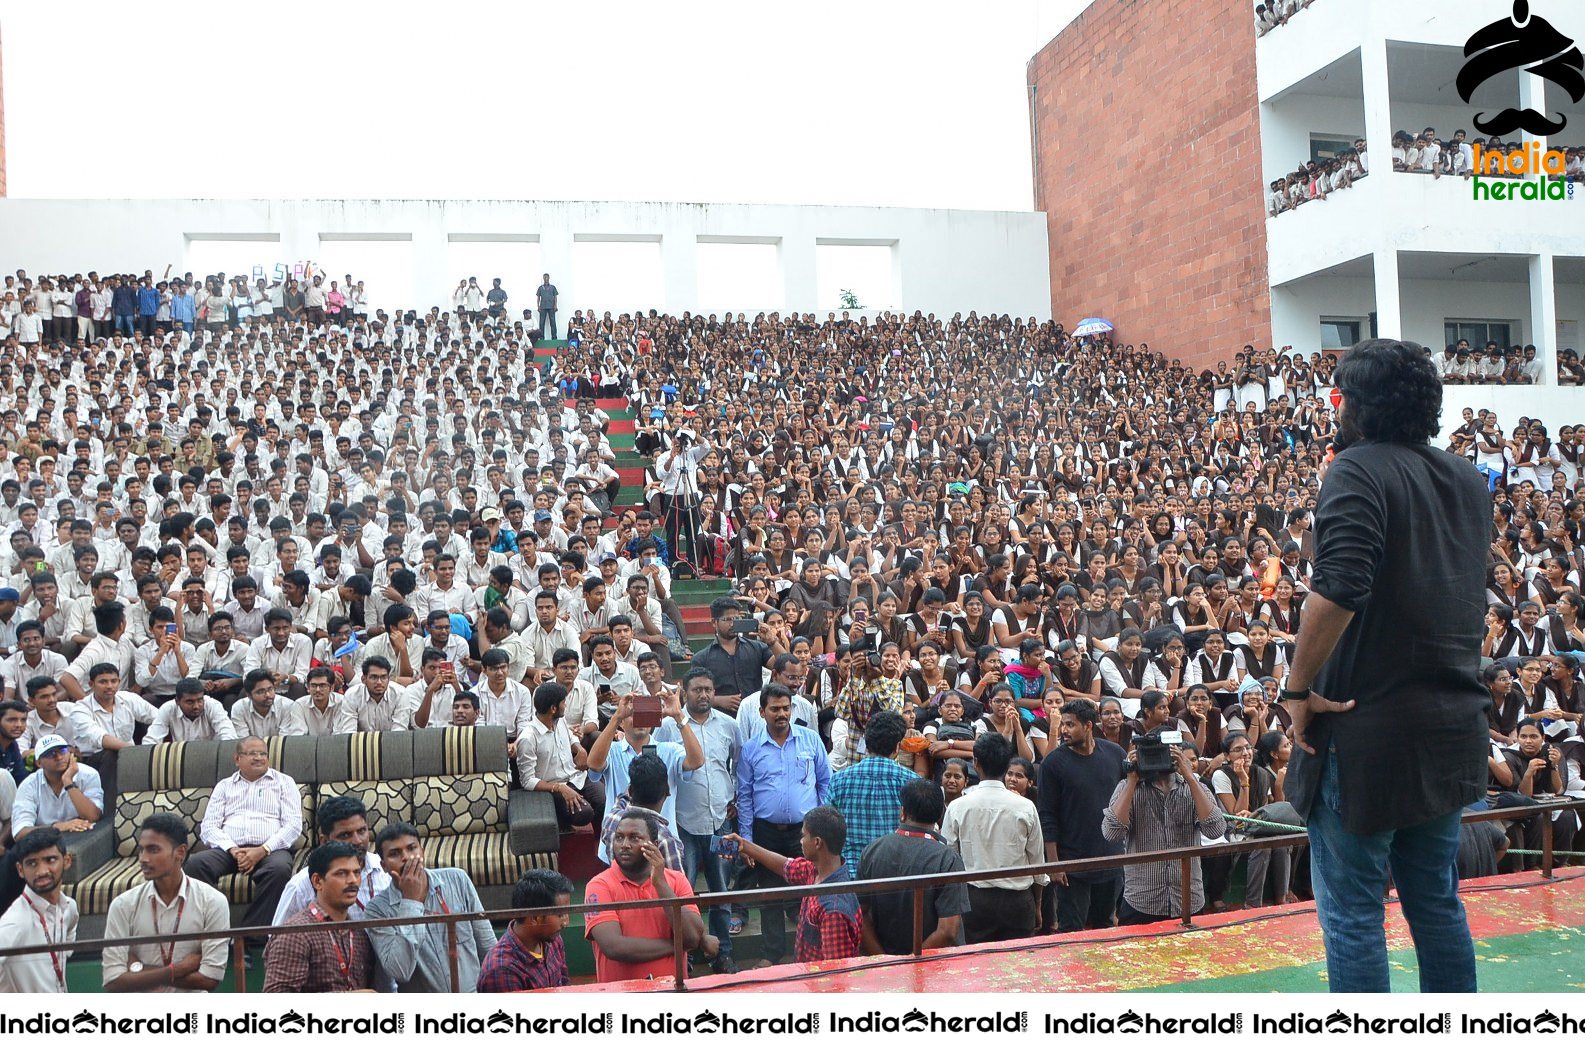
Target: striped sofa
{"points": [[453, 784]]}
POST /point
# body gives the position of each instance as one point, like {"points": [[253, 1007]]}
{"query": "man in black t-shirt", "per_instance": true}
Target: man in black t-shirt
{"points": [[1076, 784], [914, 848]]}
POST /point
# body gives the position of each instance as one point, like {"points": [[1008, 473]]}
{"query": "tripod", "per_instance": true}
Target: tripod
{"points": [[680, 513]]}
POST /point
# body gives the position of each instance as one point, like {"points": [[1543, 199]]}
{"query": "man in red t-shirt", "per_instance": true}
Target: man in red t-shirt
{"points": [[637, 943], [829, 927]]}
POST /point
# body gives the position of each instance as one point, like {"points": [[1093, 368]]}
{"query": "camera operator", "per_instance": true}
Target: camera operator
{"points": [[678, 471], [1160, 804]]}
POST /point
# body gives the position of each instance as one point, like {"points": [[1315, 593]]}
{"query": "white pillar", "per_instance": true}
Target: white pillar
{"points": [[1543, 314], [1532, 95], [679, 259], [1376, 88], [798, 272], [1389, 311]]}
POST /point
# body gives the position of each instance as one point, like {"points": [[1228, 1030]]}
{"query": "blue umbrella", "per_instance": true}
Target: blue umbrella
{"points": [[1093, 326]]}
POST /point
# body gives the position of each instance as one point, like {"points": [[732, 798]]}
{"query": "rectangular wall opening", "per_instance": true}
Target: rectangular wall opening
{"points": [[856, 272], [740, 276], [233, 255], [622, 276], [517, 261], [384, 263]]}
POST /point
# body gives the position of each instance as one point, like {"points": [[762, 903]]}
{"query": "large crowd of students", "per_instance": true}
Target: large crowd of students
{"points": [[975, 565]]}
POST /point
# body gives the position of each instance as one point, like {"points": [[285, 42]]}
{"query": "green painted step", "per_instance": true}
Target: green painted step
{"points": [[551, 344]]}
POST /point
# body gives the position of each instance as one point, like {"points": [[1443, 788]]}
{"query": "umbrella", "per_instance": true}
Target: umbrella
{"points": [[1093, 326]]}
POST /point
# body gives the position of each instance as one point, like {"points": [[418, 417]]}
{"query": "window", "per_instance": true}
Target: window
{"points": [[1479, 332], [1339, 333], [1326, 147]]}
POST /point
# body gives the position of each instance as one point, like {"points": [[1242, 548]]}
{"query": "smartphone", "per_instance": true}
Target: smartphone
{"points": [[745, 625], [651, 749], [170, 628], [646, 712], [945, 622], [448, 667], [724, 847]]}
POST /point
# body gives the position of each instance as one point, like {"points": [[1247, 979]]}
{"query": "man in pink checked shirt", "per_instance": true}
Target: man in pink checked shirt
{"points": [[253, 818]]}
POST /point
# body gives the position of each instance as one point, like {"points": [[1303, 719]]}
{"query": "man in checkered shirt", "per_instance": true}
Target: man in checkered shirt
{"points": [[829, 927]]}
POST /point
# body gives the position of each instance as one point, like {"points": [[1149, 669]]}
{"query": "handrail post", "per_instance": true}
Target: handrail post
{"points": [[919, 920], [679, 957], [1546, 843], [1186, 894], [451, 953], [239, 960]]}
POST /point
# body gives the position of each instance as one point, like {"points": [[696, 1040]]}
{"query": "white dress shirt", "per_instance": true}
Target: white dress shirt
{"points": [[991, 827], [197, 908], [37, 729], [92, 723], [291, 661], [362, 713], [102, 650], [317, 722], [264, 812], [513, 709], [546, 754], [33, 920], [211, 724], [285, 718], [16, 670]]}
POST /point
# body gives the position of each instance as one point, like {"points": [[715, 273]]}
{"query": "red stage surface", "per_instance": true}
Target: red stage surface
{"points": [[1530, 936]]}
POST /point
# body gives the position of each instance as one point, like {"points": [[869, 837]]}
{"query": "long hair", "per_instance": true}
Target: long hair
{"points": [[1393, 391]]}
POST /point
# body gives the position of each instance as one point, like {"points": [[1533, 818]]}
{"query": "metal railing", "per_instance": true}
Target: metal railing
{"points": [[913, 884]]}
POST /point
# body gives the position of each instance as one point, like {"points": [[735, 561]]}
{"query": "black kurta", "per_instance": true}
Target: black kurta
{"points": [[1401, 535]]}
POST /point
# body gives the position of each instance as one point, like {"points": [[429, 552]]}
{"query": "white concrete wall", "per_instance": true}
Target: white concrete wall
{"points": [[1287, 124], [1554, 406], [1328, 29], [944, 261]]}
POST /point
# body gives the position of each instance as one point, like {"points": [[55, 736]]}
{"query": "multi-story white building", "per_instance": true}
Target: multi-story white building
{"points": [[1411, 255]]}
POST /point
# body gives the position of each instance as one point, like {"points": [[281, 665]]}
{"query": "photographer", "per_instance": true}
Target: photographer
{"points": [[1160, 804], [678, 471], [866, 693]]}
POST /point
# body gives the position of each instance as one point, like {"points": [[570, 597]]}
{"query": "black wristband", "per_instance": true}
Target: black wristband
{"points": [[1294, 694]]}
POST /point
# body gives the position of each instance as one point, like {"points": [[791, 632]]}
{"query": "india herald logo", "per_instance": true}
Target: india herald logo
{"points": [[1529, 43]]}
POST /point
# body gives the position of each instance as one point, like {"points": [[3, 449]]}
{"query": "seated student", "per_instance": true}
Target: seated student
{"points": [[192, 715], [62, 793], [262, 713], [531, 955], [829, 927]]}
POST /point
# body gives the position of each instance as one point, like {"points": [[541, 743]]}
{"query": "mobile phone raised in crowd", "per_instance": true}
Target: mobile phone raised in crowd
{"points": [[170, 628], [724, 847], [646, 712], [745, 625]]}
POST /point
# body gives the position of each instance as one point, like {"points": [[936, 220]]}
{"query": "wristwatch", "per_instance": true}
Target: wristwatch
{"points": [[1294, 694], [134, 967]]}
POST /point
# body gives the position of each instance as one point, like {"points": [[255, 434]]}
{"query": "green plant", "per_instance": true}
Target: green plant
{"points": [[850, 301]]}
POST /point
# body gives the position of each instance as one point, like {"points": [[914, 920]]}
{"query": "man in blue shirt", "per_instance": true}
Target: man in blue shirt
{"points": [[148, 306], [702, 801], [609, 758], [782, 775]]}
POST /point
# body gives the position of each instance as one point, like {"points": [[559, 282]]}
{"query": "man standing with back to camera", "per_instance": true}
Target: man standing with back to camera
{"points": [[1392, 627]]}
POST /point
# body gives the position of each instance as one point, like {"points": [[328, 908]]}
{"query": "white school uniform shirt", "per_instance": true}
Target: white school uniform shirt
{"points": [[33, 920]]}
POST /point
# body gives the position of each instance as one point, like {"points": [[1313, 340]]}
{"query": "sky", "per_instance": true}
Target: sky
{"points": [[845, 103]]}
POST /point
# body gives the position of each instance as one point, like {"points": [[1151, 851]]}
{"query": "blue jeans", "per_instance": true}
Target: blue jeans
{"points": [[1349, 875], [125, 324], [696, 855]]}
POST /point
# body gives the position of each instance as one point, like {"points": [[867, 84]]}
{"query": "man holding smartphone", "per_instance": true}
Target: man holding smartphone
{"points": [[609, 758]]}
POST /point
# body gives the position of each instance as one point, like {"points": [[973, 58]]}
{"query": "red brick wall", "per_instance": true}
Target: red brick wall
{"points": [[1147, 165]]}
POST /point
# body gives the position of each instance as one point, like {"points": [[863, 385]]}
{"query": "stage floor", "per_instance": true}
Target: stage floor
{"points": [[1529, 937]]}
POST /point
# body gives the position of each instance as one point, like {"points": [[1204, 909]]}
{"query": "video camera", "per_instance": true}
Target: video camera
{"points": [[1153, 753]]}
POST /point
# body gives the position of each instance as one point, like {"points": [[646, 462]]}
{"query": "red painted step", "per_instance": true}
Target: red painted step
{"points": [[622, 426], [607, 404]]}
